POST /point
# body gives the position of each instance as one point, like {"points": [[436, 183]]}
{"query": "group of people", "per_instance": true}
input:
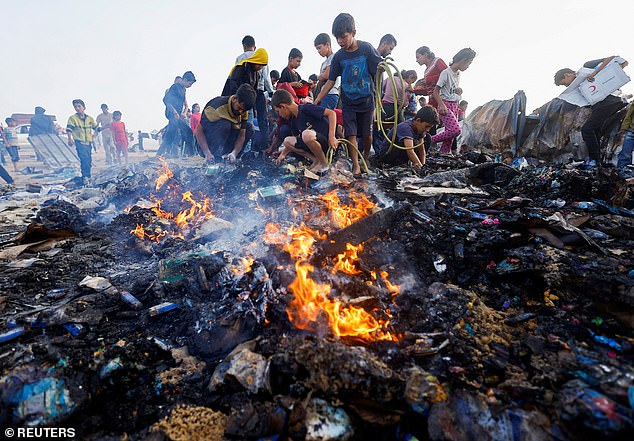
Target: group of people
{"points": [[310, 115], [81, 129]]}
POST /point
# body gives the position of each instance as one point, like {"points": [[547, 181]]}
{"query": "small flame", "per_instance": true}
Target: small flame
{"points": [[140, 232], [346, 261], [246, 263], [392, 289], [165, 174], [345, 215]]}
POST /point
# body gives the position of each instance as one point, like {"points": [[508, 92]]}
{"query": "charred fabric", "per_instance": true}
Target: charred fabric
{"points": [[473, 301]]}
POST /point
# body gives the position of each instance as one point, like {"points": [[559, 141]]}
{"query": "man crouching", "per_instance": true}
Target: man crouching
{"points": [[224, 128]]}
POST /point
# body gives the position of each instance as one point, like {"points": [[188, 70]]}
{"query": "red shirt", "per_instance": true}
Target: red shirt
{"points": [[118, 133], [430, 79], [195, 120]]}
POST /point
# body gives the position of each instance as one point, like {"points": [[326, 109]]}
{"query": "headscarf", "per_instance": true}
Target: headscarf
{"points": [[260, 56]]}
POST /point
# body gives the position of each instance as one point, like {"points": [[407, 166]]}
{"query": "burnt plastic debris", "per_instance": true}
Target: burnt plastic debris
{"points": [[131, 300], [56, 293], [11, 334], [162, 308], [74, 329]]}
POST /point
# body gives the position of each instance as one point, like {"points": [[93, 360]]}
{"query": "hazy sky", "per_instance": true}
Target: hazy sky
{"points": [[127, 52]]}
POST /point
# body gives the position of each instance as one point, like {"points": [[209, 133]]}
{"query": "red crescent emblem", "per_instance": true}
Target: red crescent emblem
{"points": [[593, 88]]}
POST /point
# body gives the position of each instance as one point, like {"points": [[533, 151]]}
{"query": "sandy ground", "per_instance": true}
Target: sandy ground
{"points": [[27, 159]]}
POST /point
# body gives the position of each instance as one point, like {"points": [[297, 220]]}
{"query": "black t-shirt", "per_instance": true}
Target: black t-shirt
{"points": [[40, 125], [175, 97], [287, 76], [243, 74], [357, 71], [310, 116]]}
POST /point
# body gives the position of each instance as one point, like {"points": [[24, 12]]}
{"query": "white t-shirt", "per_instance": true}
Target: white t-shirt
{"points": [[105, 120], [324, 65], [448, 82]]}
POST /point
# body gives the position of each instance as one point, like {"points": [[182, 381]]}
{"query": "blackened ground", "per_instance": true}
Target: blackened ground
{"points": [[520, 312]]}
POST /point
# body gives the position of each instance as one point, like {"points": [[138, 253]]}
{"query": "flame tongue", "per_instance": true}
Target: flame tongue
{"points": [[311, 306], [311, 301], [185, 219]]}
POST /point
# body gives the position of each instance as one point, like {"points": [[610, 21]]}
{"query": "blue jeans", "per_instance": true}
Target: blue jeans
{"points": [[330, 101], [84, 151], [625, 157]]}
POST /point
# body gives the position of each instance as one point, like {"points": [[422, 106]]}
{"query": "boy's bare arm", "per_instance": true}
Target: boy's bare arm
{"points": [[199, 134], [324, 91], [411, 154], [332, 128], [324, 75]]}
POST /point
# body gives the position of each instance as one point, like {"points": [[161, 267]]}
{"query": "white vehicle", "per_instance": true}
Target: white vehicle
{"points": [[23, 135]]}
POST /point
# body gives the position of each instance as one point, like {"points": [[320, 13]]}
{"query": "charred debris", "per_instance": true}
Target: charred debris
{"points": [[472, 301]]}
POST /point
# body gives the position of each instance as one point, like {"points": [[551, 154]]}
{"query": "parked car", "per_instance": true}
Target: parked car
{"points": [[23, 135]]}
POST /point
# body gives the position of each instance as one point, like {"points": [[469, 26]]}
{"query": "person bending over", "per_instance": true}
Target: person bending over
{"points": [[312, 130], [224, 128], [410, 133]]}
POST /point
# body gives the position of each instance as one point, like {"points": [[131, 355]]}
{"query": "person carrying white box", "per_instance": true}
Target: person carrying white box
{"points": [[595, 85]]}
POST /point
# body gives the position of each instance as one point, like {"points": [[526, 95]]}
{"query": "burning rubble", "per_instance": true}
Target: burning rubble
{"points": [[476, 302]]}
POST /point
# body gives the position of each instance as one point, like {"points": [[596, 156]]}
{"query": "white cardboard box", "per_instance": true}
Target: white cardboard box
{"points": [[610, 79]]}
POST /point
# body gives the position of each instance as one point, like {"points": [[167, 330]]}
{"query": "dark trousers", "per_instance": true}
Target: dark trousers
{"points": [[221, 136], [591, 130], [84, 151], [177, 133], [261, 142], [5, 175]]}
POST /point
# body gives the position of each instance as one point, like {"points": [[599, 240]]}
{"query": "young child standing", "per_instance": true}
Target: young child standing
{"points": [[312, 127], [324, 48], [447, 94], [195, 118], [80, 129], [11, 136], [120, 137], [290, 75], [356, 63]]}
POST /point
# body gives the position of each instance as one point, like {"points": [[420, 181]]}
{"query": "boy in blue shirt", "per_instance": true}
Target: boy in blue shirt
{"points": [[356, 62], [312, 130], [410, 133]]}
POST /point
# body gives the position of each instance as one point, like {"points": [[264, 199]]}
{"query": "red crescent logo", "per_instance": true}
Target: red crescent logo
{"points": [[593, 88]]}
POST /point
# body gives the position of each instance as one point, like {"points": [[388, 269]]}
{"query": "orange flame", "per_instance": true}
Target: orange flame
{"points": [[188, 218], [166, 174], [345, 215], [345, 262], [246, 263], [346, 321], [140, 232], [392, 289]]}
